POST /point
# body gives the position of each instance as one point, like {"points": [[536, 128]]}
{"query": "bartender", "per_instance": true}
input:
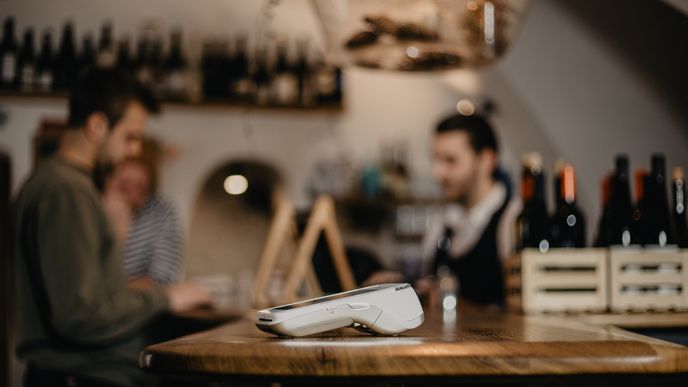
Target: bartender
{"points": [[474, 234]]}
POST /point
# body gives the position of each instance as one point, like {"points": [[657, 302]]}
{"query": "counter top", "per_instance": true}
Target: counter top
{"points": [[472, 342]]}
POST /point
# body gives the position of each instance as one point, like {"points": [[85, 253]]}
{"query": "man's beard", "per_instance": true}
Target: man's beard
{"points": [[465, 196]]}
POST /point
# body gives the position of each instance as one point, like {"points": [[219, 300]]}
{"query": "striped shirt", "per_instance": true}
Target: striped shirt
{"points": [[154, 244]]}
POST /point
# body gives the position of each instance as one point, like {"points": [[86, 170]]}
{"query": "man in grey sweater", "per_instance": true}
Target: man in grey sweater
{"points": [[79, 323]]}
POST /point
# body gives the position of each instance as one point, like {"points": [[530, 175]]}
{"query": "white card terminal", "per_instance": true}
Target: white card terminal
{"points": [[386, 309]]}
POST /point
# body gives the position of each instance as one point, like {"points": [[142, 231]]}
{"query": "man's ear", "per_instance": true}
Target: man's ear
{"points": [[96, 128]]}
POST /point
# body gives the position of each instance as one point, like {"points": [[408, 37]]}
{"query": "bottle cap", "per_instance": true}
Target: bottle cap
{"points": [[532, 161], [677, 173]]}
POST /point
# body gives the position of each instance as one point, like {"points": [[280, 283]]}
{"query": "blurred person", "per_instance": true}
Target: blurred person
{"points": [[79, 323], [152, 237], [474, 234]]}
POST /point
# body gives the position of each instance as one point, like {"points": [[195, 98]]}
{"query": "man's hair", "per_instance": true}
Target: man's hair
{"points": [[109, 92], [480, 132]]}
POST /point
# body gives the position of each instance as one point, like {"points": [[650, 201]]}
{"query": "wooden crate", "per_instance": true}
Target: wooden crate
{"points": [[648, 280], [560, 280]]}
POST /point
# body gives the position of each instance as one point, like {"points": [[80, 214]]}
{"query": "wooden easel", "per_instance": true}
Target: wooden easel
{"points": [[282, 231]]}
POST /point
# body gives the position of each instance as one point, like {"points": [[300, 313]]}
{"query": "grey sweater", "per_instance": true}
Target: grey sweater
{"points": [[75, 313]]}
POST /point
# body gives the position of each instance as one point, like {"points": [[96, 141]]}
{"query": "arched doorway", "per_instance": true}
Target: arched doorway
{"points": [[231, 218]]}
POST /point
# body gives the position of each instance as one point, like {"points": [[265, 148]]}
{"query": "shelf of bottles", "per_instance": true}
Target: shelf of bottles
{"points": [[638, 260], [278, 74]]}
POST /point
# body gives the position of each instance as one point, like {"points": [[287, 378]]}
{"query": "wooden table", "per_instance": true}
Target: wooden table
{"points": [[470, 345]]}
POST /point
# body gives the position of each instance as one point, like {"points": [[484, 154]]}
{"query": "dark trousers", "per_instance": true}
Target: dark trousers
{"points": [[37, 377]]}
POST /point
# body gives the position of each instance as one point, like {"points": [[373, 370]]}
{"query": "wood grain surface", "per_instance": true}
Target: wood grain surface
{"points": [[472, 342]]}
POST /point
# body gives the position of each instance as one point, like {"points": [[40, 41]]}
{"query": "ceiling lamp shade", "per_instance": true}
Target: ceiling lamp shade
{"points": [[418, 35]]}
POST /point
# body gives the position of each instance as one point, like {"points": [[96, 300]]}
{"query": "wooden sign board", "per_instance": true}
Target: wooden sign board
{"points": [[283, 232]]}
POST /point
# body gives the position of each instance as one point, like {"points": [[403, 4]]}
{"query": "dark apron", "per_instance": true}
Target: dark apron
{"points": [[479, 270]]}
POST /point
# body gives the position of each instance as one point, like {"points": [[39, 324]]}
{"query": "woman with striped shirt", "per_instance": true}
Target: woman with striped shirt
{"points": [[152, 243]]}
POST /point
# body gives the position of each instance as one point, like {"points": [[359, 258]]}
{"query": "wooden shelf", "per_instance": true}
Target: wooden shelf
{"points": [[209, 105]]}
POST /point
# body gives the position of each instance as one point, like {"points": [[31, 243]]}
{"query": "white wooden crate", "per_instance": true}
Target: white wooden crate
{"points": [[648, 279], [560, 280]]}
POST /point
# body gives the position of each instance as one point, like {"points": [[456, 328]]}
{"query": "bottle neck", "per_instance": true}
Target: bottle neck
{"points": [[8, 36], [28, 47], [605, 190], [46, 49], [539, 189], [527, 187], [621, 194], [568, 185], [67, 43]]}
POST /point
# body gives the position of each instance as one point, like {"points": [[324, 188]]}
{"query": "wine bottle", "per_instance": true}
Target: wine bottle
{"points": [[262, 76], [285, 82], [106, 57], [678, 209], [532, 224], [570, 222], [125, 61], [540, 220], [156, 62], [557, 181], [659, 231], [207, 69], [65, 64], [26, 63], [9, 50], [306, 91], [243, 85], [224, 68], [322, 78], [603, 224], [620, 206], [640, 216], [521, 234], [558, 200], [87, 59], [45, 67], [328, 82], [175, 84], [145, 60]]}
